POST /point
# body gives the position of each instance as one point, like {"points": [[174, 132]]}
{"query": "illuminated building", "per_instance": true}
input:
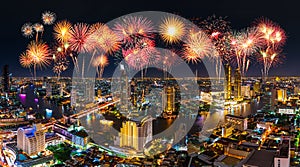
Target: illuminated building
{"points": [[99, 93], [237, 85], [134, 93], [283, 156], [136, 133], [238, 122], [31, 139], [169, 99], [256, 87], [281, 96], [123, 91], [228, 92], [79, 136], [245, 91], [227, 131]]}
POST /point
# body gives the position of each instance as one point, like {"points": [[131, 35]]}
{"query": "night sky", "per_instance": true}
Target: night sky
{"points": [[240, 13]]}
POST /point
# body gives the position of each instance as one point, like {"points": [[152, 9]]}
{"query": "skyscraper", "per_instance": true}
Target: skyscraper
{"points": [[135, 133], [228, 92], [124, 91], [169, 99], [237, 85], [5, 79]]}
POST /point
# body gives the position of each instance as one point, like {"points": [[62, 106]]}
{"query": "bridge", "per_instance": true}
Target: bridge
{"points": [[96, 108]]}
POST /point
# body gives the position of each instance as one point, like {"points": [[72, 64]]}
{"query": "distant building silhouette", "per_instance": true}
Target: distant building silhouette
{"points": [[5, 79]]}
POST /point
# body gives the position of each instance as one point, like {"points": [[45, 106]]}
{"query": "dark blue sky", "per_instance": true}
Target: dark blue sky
{"points": [[240, 13]]}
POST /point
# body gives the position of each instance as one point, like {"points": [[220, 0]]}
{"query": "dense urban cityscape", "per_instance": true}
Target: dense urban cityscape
{"points": [[149, 88]]}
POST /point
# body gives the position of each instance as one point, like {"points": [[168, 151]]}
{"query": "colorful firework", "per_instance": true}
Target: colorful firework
{"points": [[48, 18], [100, 62], [25, 60], [27, 30], [172, 29], [39, 53], [198, 45], [79, 34], [60, 66], [245, 43], [62, 31], [133, 26], [272, 33], [38, 27], [219, 30], [135, 58], [103, 38], [274, 38]]}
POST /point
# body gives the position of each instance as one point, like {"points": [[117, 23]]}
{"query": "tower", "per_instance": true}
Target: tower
{"points": [[123, 91], [228, 92], [237, 85], [169, 99]]}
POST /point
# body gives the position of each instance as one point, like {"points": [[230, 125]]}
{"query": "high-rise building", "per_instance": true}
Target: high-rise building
{"points": [[245, 91], [31, 139], [256, 87], [281, 95], [135, 133], [237, 85], [228, 92], [169, 99], [5, 79], [123, 91], [134, 93]]}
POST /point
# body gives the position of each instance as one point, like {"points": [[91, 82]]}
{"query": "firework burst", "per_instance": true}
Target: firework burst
{"points": [[79, 34], [27, 30], [48, 18], [62, 31], [60, 66], [198, 45], [274, 38], [133, 26], [38, 27], [100, 62], [103, 39], [246, 43], [172, 29], [219, 30], [25, 60], [39, 53]]}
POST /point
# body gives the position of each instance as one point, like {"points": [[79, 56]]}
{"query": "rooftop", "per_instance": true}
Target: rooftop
{"points": [[260, 157]]}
